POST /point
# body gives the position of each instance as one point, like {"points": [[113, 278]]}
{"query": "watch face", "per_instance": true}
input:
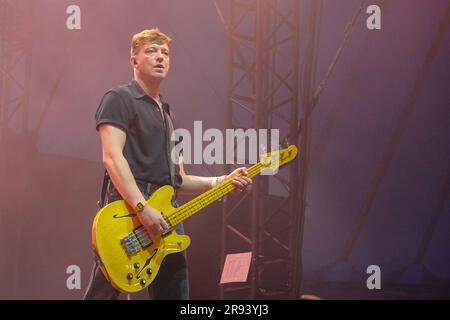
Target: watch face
{"points": [[140, 206]]}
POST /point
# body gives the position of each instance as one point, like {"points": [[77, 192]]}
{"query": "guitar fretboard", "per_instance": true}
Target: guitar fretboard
{"points": [[205, 199]]}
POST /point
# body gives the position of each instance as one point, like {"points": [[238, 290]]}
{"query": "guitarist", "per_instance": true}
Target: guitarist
{"points": [[135, 124]]}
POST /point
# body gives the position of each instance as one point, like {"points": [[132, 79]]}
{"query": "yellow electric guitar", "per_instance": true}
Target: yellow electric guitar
{"points": [[128, 258]]}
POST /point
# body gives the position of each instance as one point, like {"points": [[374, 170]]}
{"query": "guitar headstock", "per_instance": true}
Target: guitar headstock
{"points": [[270, 162]]}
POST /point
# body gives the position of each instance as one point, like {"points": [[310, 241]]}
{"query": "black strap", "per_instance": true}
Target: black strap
{"points": [[106, 180], [146, 187], [170, 142]]}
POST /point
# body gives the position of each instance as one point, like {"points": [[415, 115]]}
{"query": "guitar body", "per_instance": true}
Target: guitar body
{"points": [[126, 255]]}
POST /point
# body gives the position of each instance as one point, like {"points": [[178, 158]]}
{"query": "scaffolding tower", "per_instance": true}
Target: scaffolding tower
{"points": [[263, 93]]}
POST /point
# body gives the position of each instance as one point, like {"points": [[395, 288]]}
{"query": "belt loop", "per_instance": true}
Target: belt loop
{"points": [[148, 188]]}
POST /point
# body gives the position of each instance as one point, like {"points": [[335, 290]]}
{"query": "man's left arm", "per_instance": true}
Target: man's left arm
{"points": [[197, 184]]}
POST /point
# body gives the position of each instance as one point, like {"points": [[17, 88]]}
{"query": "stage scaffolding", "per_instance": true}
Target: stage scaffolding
{"points": [[264, 49]]}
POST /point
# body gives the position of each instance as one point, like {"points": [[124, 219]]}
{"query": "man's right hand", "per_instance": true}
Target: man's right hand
{"points": [[153, 222]]}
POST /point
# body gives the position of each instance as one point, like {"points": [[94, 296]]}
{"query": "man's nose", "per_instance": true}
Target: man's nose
{"points": [[159, 56]]}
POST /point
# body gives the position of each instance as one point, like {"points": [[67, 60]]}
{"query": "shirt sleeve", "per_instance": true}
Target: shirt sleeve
{"points": [[113, 110]]}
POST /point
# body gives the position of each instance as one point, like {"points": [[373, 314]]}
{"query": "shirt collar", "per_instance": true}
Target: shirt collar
{"points": [[136, 89], [139, 93]]}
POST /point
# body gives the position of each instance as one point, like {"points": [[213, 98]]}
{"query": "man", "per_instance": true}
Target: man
{"points": [[134, 125]]}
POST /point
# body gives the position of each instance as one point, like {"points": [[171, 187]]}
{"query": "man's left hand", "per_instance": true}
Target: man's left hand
{"points": [[240, 179]]}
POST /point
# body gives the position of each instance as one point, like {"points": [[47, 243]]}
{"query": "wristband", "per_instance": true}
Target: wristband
{"points": [[214, 181]]}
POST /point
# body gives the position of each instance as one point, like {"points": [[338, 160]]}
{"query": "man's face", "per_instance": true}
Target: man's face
{"points": [[152, 61]]}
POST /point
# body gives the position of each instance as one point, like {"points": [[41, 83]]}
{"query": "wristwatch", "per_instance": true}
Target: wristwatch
{"points": [[140, 207]]}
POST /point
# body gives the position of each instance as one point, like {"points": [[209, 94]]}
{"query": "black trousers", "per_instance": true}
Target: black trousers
{"points": [[171, 283]]}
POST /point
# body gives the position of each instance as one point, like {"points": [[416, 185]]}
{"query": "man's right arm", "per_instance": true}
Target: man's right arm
{"points": [[113, 141]]}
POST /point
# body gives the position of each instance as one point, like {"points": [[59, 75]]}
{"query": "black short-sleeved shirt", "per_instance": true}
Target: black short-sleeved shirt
{"points": [[147, 146]]}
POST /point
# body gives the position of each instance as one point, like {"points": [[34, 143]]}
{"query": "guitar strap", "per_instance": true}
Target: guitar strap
{"points": [[170, 143], [106, 181]]}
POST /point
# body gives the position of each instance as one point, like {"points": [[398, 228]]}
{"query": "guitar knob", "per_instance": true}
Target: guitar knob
{"points": [[143, 282], [136, 265], [149, 271], [129, 276]]}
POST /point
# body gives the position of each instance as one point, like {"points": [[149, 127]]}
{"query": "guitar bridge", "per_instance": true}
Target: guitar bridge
{"points": [[136, 241], [131, 244]]}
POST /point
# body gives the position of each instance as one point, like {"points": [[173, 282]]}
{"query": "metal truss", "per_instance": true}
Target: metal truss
{"points": [[15, 67], [263, 94]]}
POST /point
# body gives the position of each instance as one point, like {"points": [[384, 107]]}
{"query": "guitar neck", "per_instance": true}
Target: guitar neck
{"points": [[205, 199]]}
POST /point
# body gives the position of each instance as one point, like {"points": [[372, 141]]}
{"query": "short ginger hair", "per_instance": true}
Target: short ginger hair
{"points": [[148, 36]]}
